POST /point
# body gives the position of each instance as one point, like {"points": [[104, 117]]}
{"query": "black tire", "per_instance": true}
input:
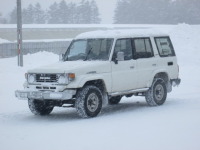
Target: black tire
{"points": [[157, 94], [38, 107], [114, 100], [88, 101]]}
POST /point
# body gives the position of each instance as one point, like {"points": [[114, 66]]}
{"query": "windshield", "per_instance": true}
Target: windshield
{"points": [[89, 49]]}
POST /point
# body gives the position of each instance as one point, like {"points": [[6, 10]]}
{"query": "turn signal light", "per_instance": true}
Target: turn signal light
{"points": [[71, 76]]}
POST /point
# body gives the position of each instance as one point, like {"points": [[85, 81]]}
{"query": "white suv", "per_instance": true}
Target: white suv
{"points": [[100, 67]]}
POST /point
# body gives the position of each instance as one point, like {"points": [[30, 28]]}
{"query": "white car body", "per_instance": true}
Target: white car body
{"points": [[118, 77]]}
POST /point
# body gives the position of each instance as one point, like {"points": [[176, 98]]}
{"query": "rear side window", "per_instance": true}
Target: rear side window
{"points": [[142, 48], [164, 46]]}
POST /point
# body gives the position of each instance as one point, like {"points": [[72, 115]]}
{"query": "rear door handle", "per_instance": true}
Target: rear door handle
{"points": [[132, 67], [154, 65], [170, 63]]}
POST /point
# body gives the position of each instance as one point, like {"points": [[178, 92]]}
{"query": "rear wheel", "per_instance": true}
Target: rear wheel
{"points": [[39, 107], [88, 101], [114, 100], [157, 94]]}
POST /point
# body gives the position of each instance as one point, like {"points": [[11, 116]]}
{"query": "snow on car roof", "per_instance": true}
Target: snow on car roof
{"points": [[125, 33]]}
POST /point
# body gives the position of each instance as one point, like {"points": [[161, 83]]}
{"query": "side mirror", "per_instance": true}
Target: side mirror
{"points": [[120, 56], [61, 57]]}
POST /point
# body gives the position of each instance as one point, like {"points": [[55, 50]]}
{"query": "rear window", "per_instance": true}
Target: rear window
{"points": [[164, 46]]}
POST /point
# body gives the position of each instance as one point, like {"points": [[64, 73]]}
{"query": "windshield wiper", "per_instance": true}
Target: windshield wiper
{"points": [[88, 54]]}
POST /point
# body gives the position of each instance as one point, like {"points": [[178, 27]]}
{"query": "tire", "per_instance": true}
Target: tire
{"points": [[88, 101], [114, 100], [38, 107], [157, 94]]}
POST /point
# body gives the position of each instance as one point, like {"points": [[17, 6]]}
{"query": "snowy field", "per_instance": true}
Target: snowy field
{"points": [[128, 126]]}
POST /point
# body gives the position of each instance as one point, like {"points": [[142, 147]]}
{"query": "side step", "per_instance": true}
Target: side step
{"points": [[68, 106], [128, 92]]}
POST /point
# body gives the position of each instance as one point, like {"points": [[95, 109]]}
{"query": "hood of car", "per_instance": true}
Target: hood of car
{"points": [[80, 67]]}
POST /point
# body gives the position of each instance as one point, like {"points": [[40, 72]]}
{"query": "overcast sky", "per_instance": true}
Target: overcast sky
{"points": [[106, 7]]}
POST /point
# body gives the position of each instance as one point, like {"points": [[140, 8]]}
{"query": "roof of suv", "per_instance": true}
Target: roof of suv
{"points": [[125, 33]]}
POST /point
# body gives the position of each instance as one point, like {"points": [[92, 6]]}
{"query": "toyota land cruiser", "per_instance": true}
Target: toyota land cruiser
{"points": [[101, 67]]}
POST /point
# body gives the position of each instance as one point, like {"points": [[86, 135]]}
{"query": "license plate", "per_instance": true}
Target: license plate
{"points": [[56, 95]]}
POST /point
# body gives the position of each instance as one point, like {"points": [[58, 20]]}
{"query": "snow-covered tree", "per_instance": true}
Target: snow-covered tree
{"points": [[157, 11], [63, 12], [94, 13], [72, 9], [53, 13], [2, 19], [28, 15], [13, 16], [187, 11], [86, 12], [39, 14], [122, 12]]}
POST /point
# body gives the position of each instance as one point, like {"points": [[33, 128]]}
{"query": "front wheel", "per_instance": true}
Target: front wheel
{"points": [[157, 94], [39, 107], [88, 101]]}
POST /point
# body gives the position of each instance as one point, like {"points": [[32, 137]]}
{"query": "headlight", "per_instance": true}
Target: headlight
{"points": [[62, 79], [31, 78], [66, 78]]}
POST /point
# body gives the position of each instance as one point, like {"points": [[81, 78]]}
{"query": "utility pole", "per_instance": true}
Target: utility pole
{"points": [[19, 34]]}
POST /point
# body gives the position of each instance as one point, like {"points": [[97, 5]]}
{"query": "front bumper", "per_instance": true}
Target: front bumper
{"points": [[45, 95]]}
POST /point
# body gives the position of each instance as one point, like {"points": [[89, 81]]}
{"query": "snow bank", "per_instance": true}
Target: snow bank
{"points": [[4, 41]]}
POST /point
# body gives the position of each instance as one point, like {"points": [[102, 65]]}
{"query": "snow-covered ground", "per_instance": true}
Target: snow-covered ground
{"points": [[127, 126]]}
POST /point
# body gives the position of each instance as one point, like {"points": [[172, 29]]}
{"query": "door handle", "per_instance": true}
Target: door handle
{"points": [[170, 63], [132, 67], [154, 65]]}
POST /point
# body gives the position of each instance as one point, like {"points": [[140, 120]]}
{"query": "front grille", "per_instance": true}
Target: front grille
{"points": [[46, 78], [45, 88]]}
